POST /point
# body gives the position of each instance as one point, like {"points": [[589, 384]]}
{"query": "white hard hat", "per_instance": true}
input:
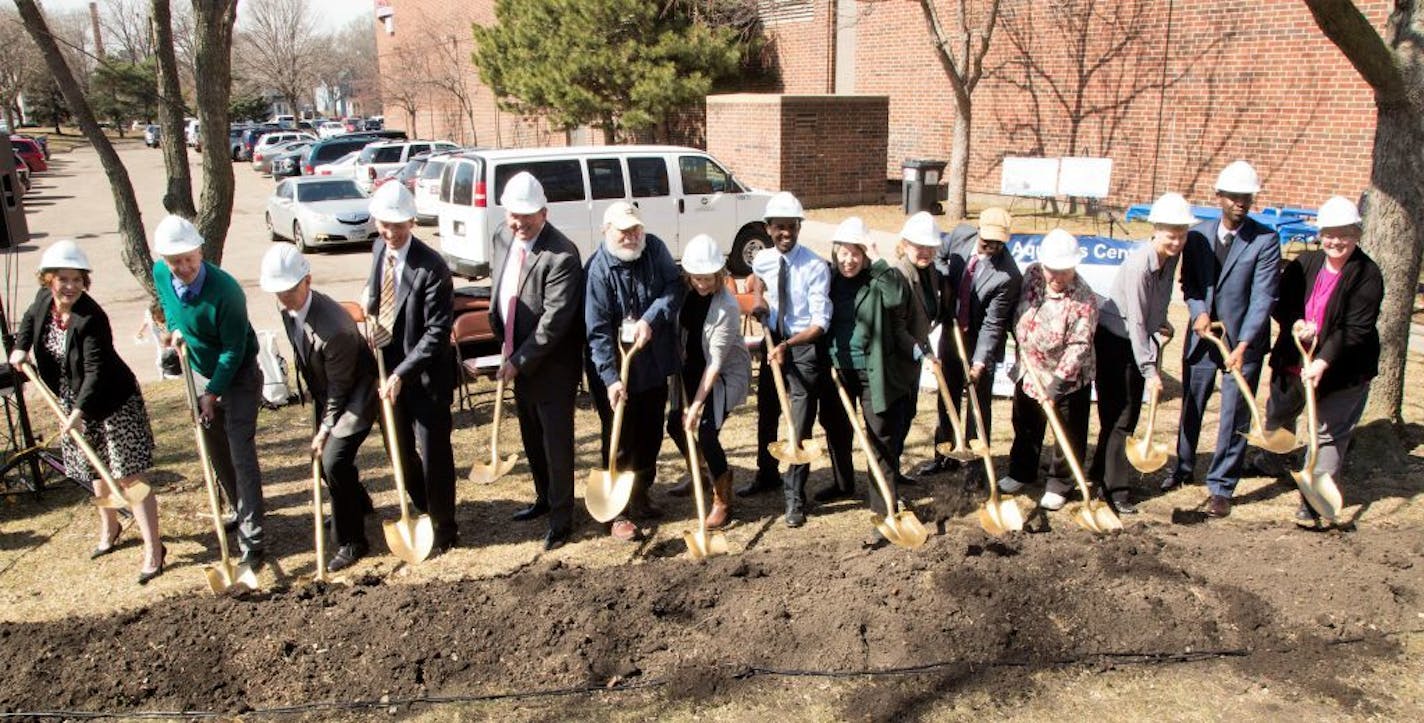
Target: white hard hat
{"points": [[1238, 177], [283, 267], [702, 256], [920, 230], [64, 254], [392, 203], [523, 194], [851, 231], [1171, 209], [1338, 211], [783, 205], [176, 235], [622, 216], [1058, 250]]}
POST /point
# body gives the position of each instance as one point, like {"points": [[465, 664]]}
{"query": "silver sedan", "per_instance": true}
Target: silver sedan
{"points": [[315, 211]]}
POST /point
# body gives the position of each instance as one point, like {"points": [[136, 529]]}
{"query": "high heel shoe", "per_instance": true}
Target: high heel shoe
{"points": [[144, 577], [103, 550]]}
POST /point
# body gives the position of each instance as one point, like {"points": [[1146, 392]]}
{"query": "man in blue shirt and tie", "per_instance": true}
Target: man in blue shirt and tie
{"points": [[793, 300]]}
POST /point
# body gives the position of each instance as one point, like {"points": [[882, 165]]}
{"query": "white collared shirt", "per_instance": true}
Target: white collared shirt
{"points": [[400, 253], [509, 278]]}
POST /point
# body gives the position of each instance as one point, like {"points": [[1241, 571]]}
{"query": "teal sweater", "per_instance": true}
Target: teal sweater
{"points": [[215, 325]]}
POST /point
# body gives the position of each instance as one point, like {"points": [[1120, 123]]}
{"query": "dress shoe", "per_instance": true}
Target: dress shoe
{"points": [[346, 556], [1218, 506], [684, 487], [625, 530], [795, 518], [832, 494], [556, 538], [761, 483], [1123, 506], [253, 559], [532, 512], [445, 544], [1009, 485], [103, 550], [1175, 481], [1052, 501], [938, 465], [145, 575], [1306, 515], [904, 481]]}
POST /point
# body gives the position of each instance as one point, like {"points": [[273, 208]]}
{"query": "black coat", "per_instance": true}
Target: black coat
{"points": [[101, 381], [1349, 339]]}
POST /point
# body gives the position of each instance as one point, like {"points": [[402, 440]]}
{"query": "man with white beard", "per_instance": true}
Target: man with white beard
{"points": [[634, 293]]}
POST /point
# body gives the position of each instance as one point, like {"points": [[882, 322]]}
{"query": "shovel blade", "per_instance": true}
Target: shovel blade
{"points": [[410, 540], [1321, 493], [809, 451], [1083, 517], [1146, 457], [606, 496], [902, 529], [1279, 441], [226, 577], [979, 448], [1001, 519], [1104, 517], [702, 545], [948, 449], [483, 474]]}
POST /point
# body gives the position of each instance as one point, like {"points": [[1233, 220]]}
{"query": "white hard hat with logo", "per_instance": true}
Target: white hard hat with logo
{"points": [[783, 205], [920, 230], [523, 194], [1059, 250], [1238, 177], [1338, 211], [176, 235], [392, 203], [1171, 209], [283, 267], [851, 231], [64, 254], [702, 256]]}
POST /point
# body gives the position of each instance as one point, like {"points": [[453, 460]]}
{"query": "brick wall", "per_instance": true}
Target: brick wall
{"points": [[827, 149]]}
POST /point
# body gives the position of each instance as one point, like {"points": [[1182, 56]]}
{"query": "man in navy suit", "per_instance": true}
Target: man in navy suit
{"points": [[1230, 268]]}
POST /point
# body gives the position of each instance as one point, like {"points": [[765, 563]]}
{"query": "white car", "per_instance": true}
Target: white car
{"points": [[328, 129], [343, 167], [313, 211], [379, 158], [427, 189]]}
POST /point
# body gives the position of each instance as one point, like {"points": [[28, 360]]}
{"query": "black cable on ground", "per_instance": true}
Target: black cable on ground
{"points": [[1116, 658]]}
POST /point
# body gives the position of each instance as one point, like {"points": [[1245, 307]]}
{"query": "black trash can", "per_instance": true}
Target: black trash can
{"points": [[920, 191]]}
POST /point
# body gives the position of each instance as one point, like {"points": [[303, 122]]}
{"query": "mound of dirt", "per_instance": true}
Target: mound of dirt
{"points": [[1028, 600]]}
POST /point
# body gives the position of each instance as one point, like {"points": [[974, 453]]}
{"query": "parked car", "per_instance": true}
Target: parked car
{"points": [[152, 134], [191, 134], [354, 123], [234, 140], [319, 212], [288, 162], [375, 123], [285, 122], [30, 151], [41, 141], [262, 159], [342, 167], [329, 129], [266, 145], [427, 188], [330, 149], [379, 158], [680, 192]]}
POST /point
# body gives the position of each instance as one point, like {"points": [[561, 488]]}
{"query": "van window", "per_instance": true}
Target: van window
{"points": [[462, 185], [648, 177], [562, 180], [381, 154], [417, 148], [605, 178], [700, 175]]}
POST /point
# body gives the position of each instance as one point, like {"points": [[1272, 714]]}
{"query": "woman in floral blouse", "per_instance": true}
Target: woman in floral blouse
{"points": [[1053, 328]]}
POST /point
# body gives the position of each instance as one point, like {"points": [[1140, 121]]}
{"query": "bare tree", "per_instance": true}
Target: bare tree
{"points": [[179, 196], [20, 65], [1392, 64], [280, 47], [125, 25], [213, 26], [135, 249], [450, 72], [403, 83], [349, 65]]}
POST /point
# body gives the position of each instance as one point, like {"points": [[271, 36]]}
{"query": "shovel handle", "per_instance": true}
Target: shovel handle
{"points": [[53, 403], [617, 433], [1311, 418], [891, 506], [191, 388], [695, 467], [388, 417], [1058, 434], [320, 529], [956, 422], [494, 423], [970, 388], [1258, 426], [780, 382]]}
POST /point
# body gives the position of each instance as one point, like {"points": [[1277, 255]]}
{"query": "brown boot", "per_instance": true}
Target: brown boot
{"points": [[721, 501]]}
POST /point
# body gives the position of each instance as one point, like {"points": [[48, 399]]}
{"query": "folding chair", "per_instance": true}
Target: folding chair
{"points": [[471, 331]]}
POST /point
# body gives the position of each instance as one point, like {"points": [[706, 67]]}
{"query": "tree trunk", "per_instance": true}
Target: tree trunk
{"points": [[1394, 236], [178, 199], [956, 206], [135, 242], [212, 28]]}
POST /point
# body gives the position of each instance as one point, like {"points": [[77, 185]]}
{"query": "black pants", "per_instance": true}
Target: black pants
{"points": [[1120, 386], [881, 430], [709, 443], [422, 430], [349, 499], [546, 427], [808, 386], [1029, 425], [956, 380], [641, 437]]}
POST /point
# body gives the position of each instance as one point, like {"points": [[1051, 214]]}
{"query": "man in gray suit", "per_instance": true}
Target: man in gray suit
{"points": [[982, 286], [538, 310], [340, 371], [1230, 269]]}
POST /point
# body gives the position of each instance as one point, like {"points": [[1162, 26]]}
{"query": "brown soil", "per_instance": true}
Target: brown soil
{"points": [[1288, 607]]}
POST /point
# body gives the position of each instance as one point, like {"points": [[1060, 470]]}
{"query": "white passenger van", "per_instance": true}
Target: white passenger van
{"points": [[680, 192]]}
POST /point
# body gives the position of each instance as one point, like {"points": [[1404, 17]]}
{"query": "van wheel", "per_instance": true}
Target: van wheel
{"points": [[751, 240]]}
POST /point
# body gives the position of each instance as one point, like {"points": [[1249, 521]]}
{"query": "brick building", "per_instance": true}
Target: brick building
{"points": [[1171, 90]]}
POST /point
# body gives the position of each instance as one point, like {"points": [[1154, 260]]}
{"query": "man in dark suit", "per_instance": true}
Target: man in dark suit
{"points": [[340, 372], [982, 287], [410, 304], [1230, 270], [538, 311]]}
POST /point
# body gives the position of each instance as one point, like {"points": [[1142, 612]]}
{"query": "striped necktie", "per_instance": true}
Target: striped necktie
{"points": [[386, 316]]}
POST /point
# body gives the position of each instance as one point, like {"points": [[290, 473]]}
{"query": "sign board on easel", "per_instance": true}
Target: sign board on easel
{"points": [[1029, 177], [1084, 177]]}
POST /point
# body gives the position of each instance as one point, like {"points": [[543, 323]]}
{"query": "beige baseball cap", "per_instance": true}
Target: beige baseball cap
{"points": [[622, 216], [994, 223]]}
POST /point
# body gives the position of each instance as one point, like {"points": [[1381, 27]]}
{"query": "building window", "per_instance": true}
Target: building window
{"points": [[777, 12]]}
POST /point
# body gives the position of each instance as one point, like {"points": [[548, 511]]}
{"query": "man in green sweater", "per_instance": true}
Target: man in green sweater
{"points": [[207, 306]]}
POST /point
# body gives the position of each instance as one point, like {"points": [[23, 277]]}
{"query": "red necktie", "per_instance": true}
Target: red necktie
{"points": [[966, 289], [513, 303]]}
